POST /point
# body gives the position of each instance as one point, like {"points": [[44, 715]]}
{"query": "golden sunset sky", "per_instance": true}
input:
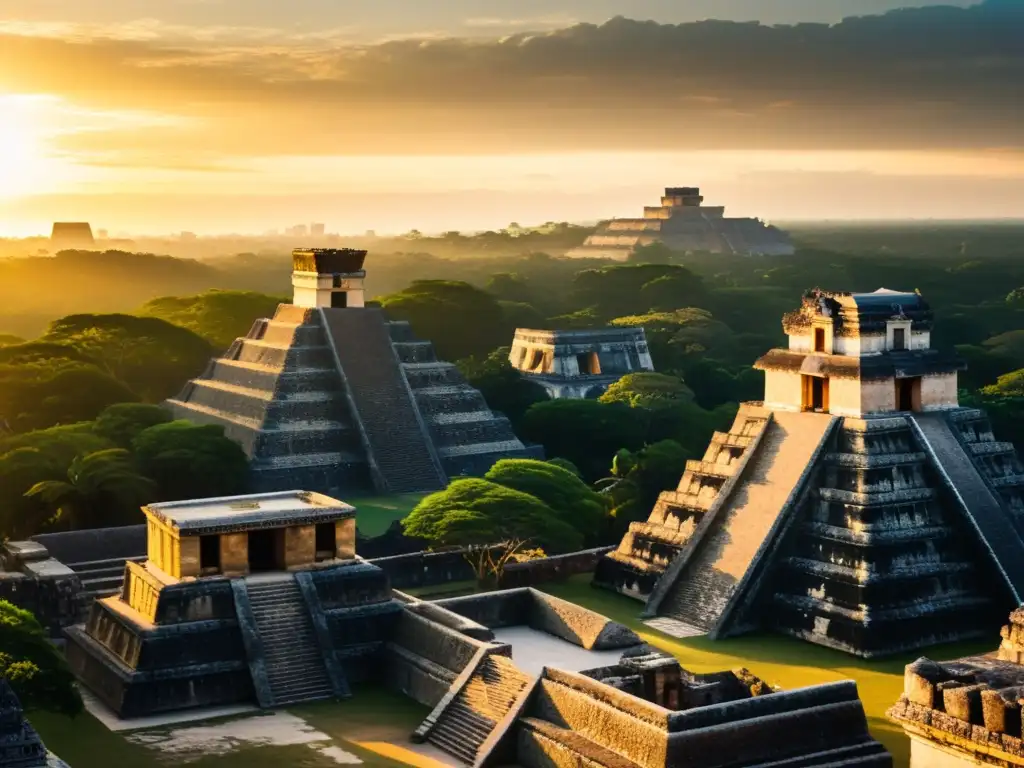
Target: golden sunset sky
{"points": [[246, 115]]}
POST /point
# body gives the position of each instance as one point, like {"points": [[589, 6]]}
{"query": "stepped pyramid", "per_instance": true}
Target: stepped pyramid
{"points": [[858, 507], [683, 223], [332, 396]]}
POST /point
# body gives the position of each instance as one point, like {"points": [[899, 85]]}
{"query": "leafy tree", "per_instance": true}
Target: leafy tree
{"points": [[655, 253], [507, 286], [561, 490], [35, 668], [502, 386], [586, 432], [59, 444], [638, 478], [496, 524], [102, 489], [566, 465], [37, 396], [218, 316], [461, 320], [192, 461], [149, 355], [648, 390], [123, 422], [20, 470]]}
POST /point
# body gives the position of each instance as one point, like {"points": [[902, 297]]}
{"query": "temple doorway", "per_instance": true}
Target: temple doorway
{"points": [[266, 550], [588, 363], [815, 394], [326, 541], [908, 394]]}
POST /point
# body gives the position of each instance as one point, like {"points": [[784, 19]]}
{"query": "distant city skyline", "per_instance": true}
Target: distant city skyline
{"points": [[220, 116]]}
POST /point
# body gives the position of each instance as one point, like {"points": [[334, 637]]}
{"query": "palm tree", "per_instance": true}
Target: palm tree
{"points": [[103, 489]]}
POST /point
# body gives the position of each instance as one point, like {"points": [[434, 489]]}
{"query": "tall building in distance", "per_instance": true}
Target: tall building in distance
{"points": [[299, 230], [317, 230], [683, 223], [71, 234]]}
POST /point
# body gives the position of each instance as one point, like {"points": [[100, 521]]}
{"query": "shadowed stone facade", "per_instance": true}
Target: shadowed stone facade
{"points": [[579, 364], [683, 224], [332, 396], [20, 745], [858, 507]]}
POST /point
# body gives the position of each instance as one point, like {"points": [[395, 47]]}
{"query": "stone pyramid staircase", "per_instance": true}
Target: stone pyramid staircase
{"points": [[292, 658], [478, 708], [710, 575], [975, 495], [402, 455], [649, 549]]}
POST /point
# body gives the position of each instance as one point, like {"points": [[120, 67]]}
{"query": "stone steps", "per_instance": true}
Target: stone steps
{"points": [[102, 578], [475, 712], [294, 663], [978, 502], [704, 588], [392, 427]]}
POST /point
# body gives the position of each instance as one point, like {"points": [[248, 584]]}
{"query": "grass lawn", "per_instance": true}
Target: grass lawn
{"points": [[374, 726], [779, 660], [375, 514]]}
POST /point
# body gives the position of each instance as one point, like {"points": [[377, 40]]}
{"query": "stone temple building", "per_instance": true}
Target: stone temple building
{"points": [[858, 507], [72, 234], [682, 223], [20, 745], [333, 396], [579, 364], [262, 599], [966, 712]]}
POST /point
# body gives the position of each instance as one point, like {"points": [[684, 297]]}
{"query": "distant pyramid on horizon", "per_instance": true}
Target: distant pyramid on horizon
{"points": [[332, 396], [682, 223]]}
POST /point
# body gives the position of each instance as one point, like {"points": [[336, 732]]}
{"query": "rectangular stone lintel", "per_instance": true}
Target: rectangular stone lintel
{"points": [[964, 702]]}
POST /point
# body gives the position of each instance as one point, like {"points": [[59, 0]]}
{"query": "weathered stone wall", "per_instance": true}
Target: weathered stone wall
{"points": [[55, 601], [939, 391], [543, 612], [423, 657], [556, 568], [101, 544], [427, 569], [782, 390]]}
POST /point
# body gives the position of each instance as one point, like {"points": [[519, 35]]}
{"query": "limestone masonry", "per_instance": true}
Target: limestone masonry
{"points": [[966, 712], [332, 396], [579, 364], [858, 507], [683, 224], [262, 599]]}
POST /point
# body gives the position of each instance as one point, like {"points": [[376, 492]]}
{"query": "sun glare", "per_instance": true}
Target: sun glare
{"points": [[22, 158]]}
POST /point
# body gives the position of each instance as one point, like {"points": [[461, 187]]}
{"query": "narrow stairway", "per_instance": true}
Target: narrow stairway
{"points": [[707, 583], [979, 503], [295, 666], [389, 418], [476, 711]]}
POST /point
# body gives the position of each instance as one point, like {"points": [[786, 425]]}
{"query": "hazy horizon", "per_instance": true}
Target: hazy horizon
{"points": [[469, 114]]}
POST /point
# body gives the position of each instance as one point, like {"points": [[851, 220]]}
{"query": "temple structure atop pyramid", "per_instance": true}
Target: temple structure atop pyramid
{"points": [[333, 396], [684, 224], [858, 506], [20, 745]]}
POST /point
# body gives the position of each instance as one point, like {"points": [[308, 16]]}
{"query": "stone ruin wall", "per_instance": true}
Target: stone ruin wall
{"points": [[545, 613]]}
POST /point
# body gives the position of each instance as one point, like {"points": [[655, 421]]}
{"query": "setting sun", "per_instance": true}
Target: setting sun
{"points": [[21, 151]]}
